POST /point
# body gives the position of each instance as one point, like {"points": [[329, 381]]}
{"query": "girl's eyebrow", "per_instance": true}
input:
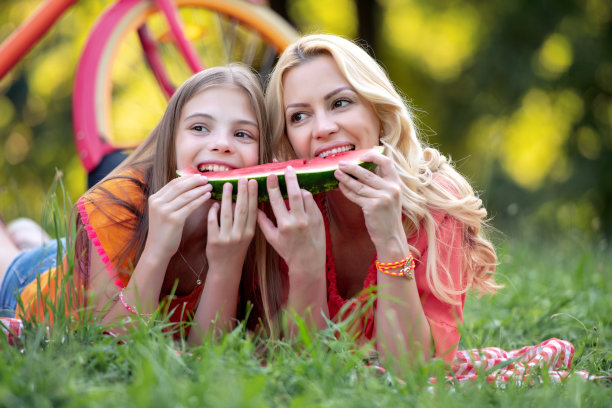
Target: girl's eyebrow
{"points": [[209, 117], [326, 97]]}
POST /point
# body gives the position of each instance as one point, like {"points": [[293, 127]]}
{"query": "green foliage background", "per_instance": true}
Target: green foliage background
{"points": [[518, 94]]}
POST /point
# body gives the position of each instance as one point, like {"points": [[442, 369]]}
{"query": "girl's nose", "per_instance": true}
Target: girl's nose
{"points": [[221, 143]]}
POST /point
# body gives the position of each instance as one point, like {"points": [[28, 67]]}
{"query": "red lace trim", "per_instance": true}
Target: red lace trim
{"points": [[335, 301]]}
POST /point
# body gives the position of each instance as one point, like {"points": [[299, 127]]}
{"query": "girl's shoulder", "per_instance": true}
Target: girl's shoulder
{"points": [[128, 186]]}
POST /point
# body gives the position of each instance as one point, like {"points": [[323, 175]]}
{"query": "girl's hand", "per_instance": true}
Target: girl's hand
{"points": [[170, 207], [379, 196], [299, 237], [231, 230]]}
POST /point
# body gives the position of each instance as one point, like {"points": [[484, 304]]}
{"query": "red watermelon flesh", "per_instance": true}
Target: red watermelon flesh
{"points": [[316, 175]]}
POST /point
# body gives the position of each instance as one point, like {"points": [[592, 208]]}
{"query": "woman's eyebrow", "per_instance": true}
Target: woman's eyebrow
{"points": [[337, 90], [326, 97]]}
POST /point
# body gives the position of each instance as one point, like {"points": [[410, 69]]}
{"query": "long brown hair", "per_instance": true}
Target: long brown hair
{"points": [[153, 164]]}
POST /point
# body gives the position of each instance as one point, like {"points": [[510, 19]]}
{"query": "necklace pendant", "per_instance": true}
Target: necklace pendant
{"points": [[199, 282]]}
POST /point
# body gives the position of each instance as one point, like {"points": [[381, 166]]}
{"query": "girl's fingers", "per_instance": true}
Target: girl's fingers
{"points": [[213, 223], [226, 208], [178, 186], [294, 193], [241, 207], [252, 189], [172, 202]]}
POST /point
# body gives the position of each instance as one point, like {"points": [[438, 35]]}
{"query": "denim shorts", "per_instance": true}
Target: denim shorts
{"points": [[26, 267]]}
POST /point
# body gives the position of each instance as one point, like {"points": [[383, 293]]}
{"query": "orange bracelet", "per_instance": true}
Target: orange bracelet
{"points": [[405, 265]]}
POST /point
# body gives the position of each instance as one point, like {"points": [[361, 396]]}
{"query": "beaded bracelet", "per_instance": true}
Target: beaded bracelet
{"points": [[128, 307], [405, 265]]}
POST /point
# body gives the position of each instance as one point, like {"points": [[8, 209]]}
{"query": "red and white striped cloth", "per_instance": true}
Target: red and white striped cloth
{"points": [[551, 358], [12, 328]]}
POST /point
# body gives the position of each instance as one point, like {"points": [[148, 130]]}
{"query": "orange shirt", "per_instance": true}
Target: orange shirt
{"points": [[109, 227]]}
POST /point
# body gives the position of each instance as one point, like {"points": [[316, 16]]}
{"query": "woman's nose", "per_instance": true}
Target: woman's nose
{"points": [[324, 125]]}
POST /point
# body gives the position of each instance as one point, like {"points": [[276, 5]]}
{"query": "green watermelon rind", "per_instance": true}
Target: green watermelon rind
{"points": [[314, 180]]}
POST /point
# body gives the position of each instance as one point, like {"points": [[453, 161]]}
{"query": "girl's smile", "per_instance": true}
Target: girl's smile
{"points": [[217, 131]]}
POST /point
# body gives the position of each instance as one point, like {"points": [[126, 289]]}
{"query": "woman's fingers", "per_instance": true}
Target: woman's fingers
{"points": [[294, 193], [276, 198], [268, 228]]}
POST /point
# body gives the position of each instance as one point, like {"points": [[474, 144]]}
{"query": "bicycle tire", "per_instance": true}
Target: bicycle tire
{"points": [[94, 88]]}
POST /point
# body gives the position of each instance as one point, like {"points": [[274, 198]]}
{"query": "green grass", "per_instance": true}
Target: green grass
{"points": [[555, 289]]}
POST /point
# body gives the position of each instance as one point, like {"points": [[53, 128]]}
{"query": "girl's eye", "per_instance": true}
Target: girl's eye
{"points": [[243, 135], [340, 103], [298, 116]]}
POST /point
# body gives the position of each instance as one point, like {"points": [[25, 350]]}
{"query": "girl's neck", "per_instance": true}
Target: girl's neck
{"points": [[195, 229]]}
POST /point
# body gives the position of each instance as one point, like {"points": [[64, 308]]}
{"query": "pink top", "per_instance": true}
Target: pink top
{"points": [[443, 317]]}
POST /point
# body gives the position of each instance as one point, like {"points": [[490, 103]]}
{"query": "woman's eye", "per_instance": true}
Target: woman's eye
{"points": [[199, 128], [341, 103], [296, 117]]}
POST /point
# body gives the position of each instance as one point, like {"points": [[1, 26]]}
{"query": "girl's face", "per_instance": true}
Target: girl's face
{"points": [[323, 113], [217, 131]]}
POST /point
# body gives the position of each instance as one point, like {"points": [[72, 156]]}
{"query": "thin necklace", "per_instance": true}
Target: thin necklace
{"points": [[197, 275]]}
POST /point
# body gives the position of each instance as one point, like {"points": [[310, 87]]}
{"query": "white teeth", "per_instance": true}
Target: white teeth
{"points": [[212, 167], [335, 150]]}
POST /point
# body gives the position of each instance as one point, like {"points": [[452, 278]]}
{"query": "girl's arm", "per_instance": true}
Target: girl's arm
{"points": [[168, 210], [229, 236], [402, 331], [299, 238]]}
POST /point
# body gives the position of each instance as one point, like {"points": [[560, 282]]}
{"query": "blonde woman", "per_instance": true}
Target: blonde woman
{"points": [[413, 228]]}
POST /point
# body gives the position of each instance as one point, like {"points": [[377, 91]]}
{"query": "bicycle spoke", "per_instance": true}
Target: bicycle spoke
{"points": [[268, 61], [252, 44]]}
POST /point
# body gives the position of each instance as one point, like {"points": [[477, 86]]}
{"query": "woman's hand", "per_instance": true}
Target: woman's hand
{"points": [[299, 234], [170, 207], [299, 238], [231, 230], [379, 196]]}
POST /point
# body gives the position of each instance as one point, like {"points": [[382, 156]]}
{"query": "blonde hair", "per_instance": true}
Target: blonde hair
{"points": [[155, 159], [429, 181]]}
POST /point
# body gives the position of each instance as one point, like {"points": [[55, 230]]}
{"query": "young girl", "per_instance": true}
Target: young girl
{"points": [[413, 228], [147, 236]]}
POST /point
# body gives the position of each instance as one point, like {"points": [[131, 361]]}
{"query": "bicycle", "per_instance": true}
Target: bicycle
{"points": [[173, 38]]}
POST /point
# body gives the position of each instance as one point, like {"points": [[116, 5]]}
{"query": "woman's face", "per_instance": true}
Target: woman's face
{"points": [[323, 113], [217, 131]]}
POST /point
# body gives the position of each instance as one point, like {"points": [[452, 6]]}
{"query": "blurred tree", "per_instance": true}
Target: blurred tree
{"points": [[519, 93]]}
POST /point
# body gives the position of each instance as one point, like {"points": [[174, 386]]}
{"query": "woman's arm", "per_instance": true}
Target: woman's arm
{"points": [[299, 238], [229, 236], [402, 331]]}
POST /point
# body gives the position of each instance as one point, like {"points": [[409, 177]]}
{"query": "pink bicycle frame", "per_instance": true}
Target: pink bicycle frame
{"points": [[17, 45], [90, 144]]}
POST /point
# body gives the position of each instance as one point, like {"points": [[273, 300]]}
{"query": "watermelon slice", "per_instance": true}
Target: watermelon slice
{"points": [[316, 175]]}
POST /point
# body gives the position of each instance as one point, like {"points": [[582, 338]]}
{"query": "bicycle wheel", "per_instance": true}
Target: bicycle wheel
{"points": [[117, 99]]}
